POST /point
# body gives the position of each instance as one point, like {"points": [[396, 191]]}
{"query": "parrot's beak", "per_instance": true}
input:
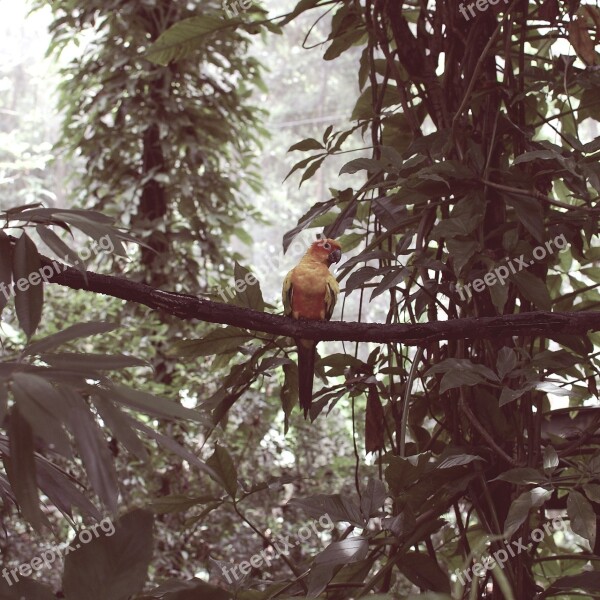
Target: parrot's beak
{"points": [[335, 257]]}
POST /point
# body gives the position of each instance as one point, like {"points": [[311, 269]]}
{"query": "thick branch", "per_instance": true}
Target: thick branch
{"points": [[190, 307]]}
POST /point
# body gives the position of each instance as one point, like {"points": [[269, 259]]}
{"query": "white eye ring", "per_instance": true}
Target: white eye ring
{"points": [[327, 246]]}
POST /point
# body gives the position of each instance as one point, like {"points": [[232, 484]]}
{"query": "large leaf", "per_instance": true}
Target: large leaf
{"points": [[29, 296], [424, 572], [20, 468], [222, 464], [218, 341], [331, 559], [173, 446], [183, 38], [530, 214], [44, 409], [93, 449], [81, 330], [5, 269], [582, 516], [150, 404], [118, 424], [248, 292], [372, 498], [24, 589], [62, 492], [176, 504], [338, 507], [91, 362], [461, 371], [113, 566], [519, 509], [534, 290], [588, 582]]}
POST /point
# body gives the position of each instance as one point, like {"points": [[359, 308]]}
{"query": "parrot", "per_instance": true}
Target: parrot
{"points": [[310, 292]]}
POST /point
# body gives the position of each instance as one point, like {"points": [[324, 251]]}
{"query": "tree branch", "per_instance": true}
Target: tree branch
{"points": [[190, 307]]}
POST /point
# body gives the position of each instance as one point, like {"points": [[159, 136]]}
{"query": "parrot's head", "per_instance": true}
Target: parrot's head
{"points": [[326, 250]]}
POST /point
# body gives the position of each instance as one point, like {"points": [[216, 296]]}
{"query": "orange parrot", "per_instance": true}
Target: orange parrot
{"points": [[310, 292]]}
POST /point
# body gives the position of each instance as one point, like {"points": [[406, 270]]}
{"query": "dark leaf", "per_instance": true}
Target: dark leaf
{"points": [[29, 293], [222, 464], [112, 566], [20, 468]]}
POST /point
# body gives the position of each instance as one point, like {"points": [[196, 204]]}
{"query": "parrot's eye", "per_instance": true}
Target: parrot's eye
{"points": [[327, 246]]}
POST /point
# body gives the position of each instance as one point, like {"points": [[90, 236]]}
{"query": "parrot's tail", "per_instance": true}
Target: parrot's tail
{"points": [[306, 373]]}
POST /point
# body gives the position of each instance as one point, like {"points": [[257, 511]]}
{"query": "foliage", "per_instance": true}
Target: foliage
{"points": [[472, 166], [161, 145]]}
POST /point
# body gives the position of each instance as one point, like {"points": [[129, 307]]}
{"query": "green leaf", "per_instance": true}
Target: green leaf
{"points": [[289, 391], [93, 449], [461, 251], [62, 492], [509, 395], [183, 38], [588, 581], [457, 460], [402, 472], [251, 294], [29, 299], [41, 404], [550, 459], [306, 145], [222, 464], [372, 498], [5, 269], [81, 330], [310, 171], [114, 566], [338, 507], [534, 290], [150, 404], [20, 468], [60, 249], [499, 295], [424, 572], [522, 476], [582, 517], [362, 164], [176, 503], [334, 556], [506, 362], [519, 509], [530, 214], [92, 362], [118, 424], [218, 341], [320, 208], [592, 491], [25, 589], [461, 371], [174, 447]]}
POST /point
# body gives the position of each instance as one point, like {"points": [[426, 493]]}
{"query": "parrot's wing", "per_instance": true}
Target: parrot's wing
{"points": [[287, 293], [331, 293]]}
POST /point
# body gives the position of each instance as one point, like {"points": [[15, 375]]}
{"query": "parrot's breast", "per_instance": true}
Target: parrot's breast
{"points": [[310, 287]]}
